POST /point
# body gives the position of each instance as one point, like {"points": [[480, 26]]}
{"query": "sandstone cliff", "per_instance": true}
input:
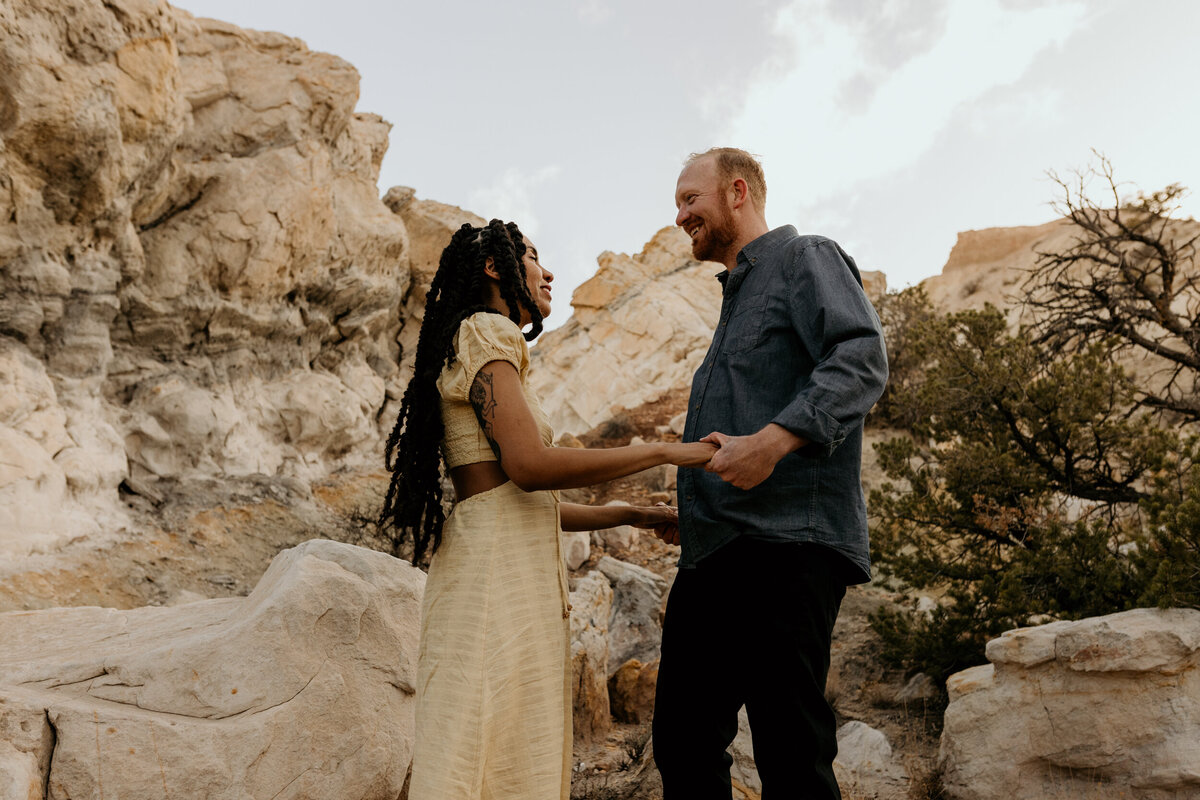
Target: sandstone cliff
{"points": [[197, 276]]}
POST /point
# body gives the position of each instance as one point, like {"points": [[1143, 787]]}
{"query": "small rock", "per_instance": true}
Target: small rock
{"points": [[570, 440], [620, 539], [866, 766], [631, 691], [577, 547], [920, 688], [677, 422]]}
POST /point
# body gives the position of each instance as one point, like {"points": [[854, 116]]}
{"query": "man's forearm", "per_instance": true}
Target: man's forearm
{"points": [[777, 440]]}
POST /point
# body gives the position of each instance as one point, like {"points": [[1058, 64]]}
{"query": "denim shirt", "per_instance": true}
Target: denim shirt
{"points": [[797, 344]]}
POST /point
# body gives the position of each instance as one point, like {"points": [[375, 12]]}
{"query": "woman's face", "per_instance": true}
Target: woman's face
{"points": [[537, 278]]}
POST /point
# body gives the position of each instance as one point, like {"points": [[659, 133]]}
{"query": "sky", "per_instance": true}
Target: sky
{"points": [[889, 125]]}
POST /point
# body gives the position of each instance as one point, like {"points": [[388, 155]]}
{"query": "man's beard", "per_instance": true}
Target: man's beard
{"points": [[717, 237]]}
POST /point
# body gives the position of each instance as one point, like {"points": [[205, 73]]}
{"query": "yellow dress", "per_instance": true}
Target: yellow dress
{"points": [[493, 679]]}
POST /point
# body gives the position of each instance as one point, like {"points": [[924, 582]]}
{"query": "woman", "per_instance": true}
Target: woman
{"points": [[493, 680]]}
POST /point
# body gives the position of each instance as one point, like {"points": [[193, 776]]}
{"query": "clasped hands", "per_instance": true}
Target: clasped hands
{"points": [[743, 461], [747, 461]]}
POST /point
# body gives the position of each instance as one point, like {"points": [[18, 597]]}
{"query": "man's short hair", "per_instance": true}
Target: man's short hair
{"points": [[734, 163]]}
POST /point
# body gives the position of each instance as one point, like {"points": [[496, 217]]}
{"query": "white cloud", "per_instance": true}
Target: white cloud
{"points": [[511, 196], [815, 144]]}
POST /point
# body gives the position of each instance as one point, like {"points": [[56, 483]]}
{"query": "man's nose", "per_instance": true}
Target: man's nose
{"points": [[681, 216]]}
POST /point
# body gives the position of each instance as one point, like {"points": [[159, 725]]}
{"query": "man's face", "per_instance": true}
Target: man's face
{"points": [[704, 211]]}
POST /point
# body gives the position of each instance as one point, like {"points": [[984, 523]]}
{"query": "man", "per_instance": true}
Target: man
{"points": [[775, 528]]}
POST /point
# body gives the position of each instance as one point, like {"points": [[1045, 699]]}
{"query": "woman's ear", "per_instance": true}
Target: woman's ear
{"points": [[489, 269]]}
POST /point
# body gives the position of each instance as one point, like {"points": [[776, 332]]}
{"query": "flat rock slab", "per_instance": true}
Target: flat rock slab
{"points": [[302, 689]]}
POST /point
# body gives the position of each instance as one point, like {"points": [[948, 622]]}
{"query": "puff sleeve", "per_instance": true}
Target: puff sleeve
{"points": [[481, 339]]}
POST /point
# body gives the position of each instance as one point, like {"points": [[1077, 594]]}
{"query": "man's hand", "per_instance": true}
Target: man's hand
{"points": [[747, 461]]}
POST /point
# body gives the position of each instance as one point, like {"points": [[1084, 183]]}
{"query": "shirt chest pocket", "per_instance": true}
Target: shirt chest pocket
{"points": [[746, 325]]}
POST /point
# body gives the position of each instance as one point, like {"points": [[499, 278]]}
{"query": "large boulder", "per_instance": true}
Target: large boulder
{"points": [[1107, 707], [302, 689]]}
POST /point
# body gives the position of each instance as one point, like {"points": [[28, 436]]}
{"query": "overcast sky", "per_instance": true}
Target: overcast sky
{"points": [[890, 125]]}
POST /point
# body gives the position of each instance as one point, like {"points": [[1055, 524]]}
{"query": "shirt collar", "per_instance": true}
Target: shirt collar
{"points": [[750, 255]]}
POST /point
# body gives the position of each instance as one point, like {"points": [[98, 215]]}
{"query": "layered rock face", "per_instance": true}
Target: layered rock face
{"points": [[1107, 707], [990, 266], [197, 277], [302, 689], [640, 327]]}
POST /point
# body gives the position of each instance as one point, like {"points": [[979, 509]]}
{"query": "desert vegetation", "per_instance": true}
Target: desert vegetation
{"points": [[1048, 469]]}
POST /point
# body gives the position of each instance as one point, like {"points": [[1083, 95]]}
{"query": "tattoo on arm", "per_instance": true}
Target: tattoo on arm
{"points": [[483, 400]]}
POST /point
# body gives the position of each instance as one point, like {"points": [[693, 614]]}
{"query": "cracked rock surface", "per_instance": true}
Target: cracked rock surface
{"points": [[1107, 707], [302, 689]]}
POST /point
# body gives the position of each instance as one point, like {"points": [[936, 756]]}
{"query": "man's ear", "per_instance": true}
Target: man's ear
{"points": [[489, 269], [741, 193]]}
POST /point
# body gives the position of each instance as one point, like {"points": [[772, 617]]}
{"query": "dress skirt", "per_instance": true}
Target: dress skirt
{"points": [[493, 680]]}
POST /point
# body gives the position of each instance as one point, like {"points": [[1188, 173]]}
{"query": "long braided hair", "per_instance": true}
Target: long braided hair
{"points": [[413, 509]]}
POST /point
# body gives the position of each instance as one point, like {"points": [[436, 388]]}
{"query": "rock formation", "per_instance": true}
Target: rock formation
{"points": [[302, 689], [197, 277], [1101, 708], [198, 280], [640, 327]]}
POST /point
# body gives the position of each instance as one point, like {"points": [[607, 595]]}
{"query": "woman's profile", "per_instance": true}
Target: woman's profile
{"points": [[493, 683]]}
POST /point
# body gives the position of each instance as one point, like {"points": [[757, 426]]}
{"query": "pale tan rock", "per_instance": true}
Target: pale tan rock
{"points": [[640, 327], [591, 607], [620, 539], [1103, 707], [990, 266], [32, 493], [635, 625], [631, 691], [302, 689], [197, 277], [743, 769], [866, 766], [577, 548], [26, 743], [874, 283]]}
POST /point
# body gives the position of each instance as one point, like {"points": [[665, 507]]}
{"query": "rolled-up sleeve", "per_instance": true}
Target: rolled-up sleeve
{"points": [[839, 328]]}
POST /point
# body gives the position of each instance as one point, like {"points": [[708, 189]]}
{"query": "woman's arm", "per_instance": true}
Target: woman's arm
{"points": [[662, 519], [499, 403], [577, 517]]}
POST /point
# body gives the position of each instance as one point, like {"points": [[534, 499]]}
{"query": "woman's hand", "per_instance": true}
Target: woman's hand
{"points": [[691, 454], [660, 518]]}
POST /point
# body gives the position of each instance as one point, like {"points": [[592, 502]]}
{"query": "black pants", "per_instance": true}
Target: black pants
{"points": [[750, 625]]}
